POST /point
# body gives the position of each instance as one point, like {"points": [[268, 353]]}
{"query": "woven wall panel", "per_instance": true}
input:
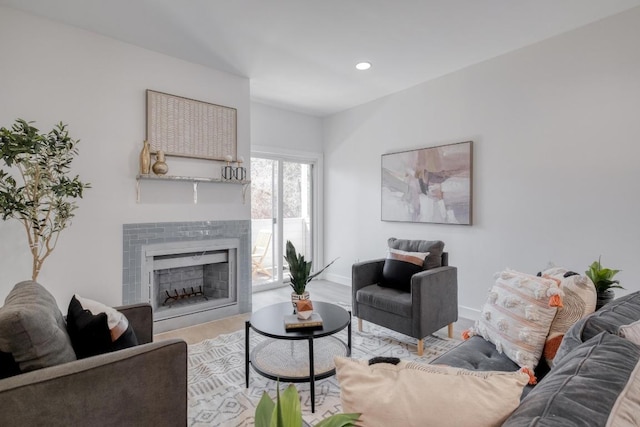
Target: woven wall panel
{"points": [[189, 128]]}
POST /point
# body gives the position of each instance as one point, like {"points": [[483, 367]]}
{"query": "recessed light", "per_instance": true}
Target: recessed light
{"points": [[363, 66]]}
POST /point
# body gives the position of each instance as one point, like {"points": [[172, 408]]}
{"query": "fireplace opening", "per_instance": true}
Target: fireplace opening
{"points": [[186, 278]]}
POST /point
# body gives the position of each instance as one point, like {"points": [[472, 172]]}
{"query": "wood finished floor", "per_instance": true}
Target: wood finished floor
{"points": [[321, 290]]}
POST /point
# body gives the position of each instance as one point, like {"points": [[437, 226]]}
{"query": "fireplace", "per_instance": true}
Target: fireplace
{"points": [[190, 277], [189, 272]]}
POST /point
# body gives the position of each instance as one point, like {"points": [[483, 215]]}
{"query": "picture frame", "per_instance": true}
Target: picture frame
{"points": [[428, 185], [186, 127]]}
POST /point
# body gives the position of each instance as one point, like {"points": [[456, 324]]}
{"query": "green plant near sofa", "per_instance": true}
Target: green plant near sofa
{"points": [[37, 188], [300, 269], [602, 277], [604, 283], [286, 412]]}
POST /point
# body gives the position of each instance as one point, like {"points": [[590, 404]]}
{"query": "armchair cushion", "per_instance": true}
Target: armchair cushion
{"points": [[385, 299], [32, 328], [434, 247], [399, 266]]}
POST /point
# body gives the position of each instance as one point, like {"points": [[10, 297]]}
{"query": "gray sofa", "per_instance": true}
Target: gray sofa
{"points": [[592, 378], [143, 385]]}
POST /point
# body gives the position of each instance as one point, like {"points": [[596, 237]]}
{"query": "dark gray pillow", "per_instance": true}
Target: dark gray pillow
{"points": [[583, 388], [434, 247], [32, 328]]}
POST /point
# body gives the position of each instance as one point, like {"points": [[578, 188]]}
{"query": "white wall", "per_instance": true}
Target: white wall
{"points": [[51, 72], [285, 130], [556, 131]]}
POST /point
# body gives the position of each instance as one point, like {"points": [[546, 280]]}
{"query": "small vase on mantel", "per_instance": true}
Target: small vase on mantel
{"points": [[295, 297], [160, 167], [145, 159]]}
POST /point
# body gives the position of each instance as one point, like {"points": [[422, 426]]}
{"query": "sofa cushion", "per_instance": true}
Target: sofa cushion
{"points": [[517, 316], [386, 299], [416, 394], [400, 266], [619, 312], [32, 328], [579, 300], [585, 388], [478, 354], [434, 247], [96, 329]]}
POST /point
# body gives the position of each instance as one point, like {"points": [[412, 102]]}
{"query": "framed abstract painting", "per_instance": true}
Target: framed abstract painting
{"points": [[432, 185]]}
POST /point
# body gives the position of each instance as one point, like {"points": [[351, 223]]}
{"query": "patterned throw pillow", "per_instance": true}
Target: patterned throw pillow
{"points": [[517, 316], [579, 300], [399, 266]]}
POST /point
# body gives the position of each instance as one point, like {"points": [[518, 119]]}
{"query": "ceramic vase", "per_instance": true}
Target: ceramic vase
{"points": [[145, 159], [160, 167]]}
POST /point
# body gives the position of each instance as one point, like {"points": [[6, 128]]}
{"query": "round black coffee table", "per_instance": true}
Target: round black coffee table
{"points": [[285, 357]]}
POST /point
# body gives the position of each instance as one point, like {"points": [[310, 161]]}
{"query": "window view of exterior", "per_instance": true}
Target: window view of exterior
{"points": [[295, 215]]}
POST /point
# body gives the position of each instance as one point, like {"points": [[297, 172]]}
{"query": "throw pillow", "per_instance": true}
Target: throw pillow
{"points": [[517, 316], [631, 332], [434, 247], [594, 385], [8, 365], [415, 394], [399, 266], [32, 328], [95, 328], [579, 300]]}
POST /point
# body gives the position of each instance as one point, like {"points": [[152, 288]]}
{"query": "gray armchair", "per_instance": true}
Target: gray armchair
{"points": [[431, 304]]}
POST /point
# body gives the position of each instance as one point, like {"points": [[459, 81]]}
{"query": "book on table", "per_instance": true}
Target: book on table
{"points": [[291, 321]]}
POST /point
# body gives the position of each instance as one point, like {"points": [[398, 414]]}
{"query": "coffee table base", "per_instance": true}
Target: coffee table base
{"points": [[289, 360]]}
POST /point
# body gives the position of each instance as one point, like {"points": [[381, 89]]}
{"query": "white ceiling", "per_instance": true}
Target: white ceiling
{"points": [[300, 54]]}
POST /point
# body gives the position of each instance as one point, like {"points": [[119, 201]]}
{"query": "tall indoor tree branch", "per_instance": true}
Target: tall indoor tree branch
{"points": [[43, 198]]}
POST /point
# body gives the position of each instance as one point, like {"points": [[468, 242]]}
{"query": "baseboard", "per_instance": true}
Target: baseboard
{"points": [[336, 278], [468, 313]]}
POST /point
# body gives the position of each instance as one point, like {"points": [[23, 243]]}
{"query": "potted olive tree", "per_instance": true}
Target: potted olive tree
{"points": [[603, 280], [300, 272], [36, 188]]}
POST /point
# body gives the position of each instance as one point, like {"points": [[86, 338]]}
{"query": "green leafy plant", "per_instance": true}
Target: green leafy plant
{"points": [[601, 277], [300, 269], [42, 196], [286, 411]]}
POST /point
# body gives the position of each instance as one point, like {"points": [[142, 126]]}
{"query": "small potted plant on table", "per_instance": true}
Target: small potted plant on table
{"points": [[300, 273]]}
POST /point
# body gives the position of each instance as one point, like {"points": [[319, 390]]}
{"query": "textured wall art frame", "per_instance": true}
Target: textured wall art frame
{"points": [[432, 185], [188, 128]]}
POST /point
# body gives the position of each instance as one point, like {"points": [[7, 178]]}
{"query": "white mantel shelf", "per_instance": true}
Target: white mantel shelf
{"points": [[194, 180]]}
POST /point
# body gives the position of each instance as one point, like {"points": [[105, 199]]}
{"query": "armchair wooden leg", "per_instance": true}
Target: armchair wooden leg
{"points": [[420, 347], [359, 324], [450, 330]]}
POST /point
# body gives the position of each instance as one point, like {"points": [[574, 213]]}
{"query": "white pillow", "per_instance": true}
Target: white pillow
{"points": [[414, 394], [631, 332], [517, 315]]}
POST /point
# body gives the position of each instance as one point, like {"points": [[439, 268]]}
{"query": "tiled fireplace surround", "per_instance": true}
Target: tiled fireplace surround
{"points": [[137, 237]]}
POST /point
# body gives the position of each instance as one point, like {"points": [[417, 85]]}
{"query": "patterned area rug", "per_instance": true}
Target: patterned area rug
{"points": [[216, 379]]}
